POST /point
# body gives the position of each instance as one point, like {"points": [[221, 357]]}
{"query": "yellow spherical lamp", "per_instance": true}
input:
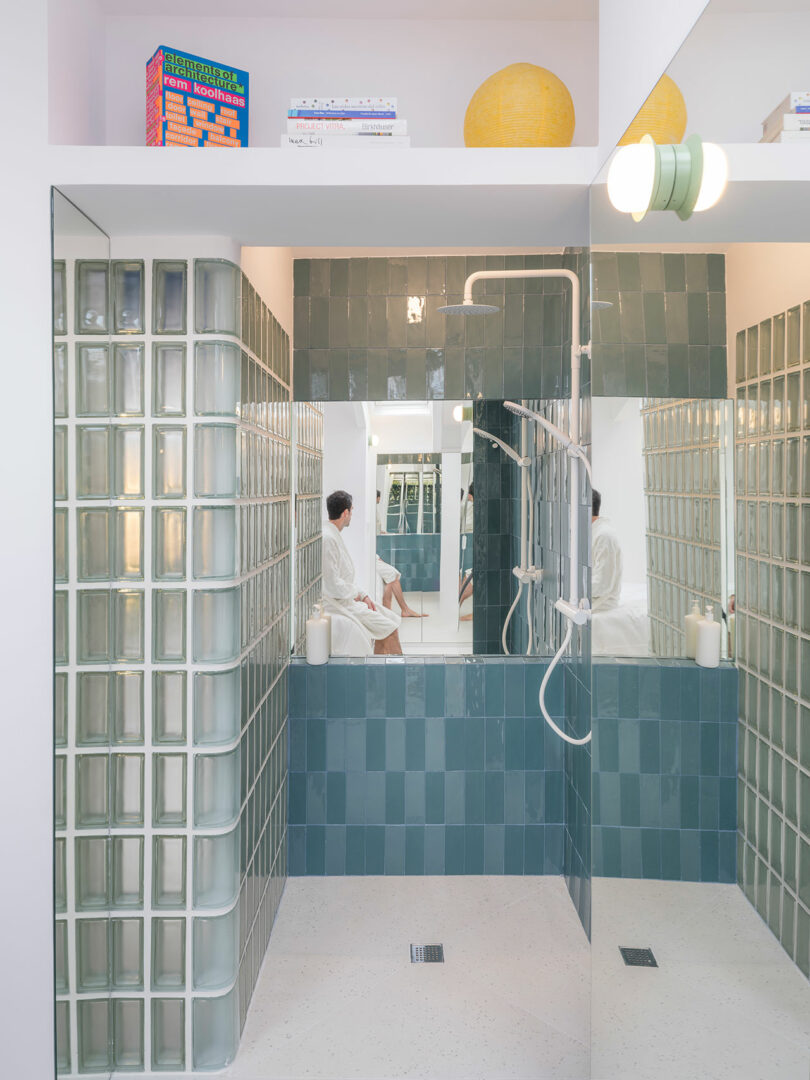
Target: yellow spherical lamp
{"points": [[662, 116], [520, 105]]}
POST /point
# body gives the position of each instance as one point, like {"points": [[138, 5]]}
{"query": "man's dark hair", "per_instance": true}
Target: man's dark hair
{"points": [[596, 503], [336, 503], [378, 493], [470, 490]]}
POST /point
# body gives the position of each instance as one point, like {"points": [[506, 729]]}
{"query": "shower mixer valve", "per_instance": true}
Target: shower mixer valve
{"points": [[530, 574], [578, 615]]}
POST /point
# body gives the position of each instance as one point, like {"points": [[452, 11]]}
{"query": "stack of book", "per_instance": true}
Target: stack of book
{"points": [[366, 122], [790, 121]]}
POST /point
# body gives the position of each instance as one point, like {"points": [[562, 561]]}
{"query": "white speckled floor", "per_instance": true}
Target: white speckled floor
{"points": [[338, 997], [725, 1003]]}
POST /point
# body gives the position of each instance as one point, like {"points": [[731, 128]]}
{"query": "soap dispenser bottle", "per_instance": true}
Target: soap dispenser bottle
{"points": [[317, 643], [691, 626], [708, 641]]}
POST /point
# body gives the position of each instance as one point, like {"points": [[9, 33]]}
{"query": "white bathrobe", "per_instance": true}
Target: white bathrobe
{"points": [[606, 566], [340, 588]]}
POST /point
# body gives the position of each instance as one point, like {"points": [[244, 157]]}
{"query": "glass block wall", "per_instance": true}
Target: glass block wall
{"points": [[773, 623], [172, 442], [686, 487], [309, 513]]}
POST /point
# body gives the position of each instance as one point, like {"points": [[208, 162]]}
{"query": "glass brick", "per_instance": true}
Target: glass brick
{"points": [[169, 462], [60, 791], [168, 954], [216, 870], [94, 1035], [217, 708], [169, 872], [169, 707], [215, 956], [128, 619], [168, 790], [128, 450], [127, 954], [216, 470], [169, 379], [92, 297], [127, 1033], [59, 298], [92, 791], [92, 873], [60, 465], [93, 462], [60, 391], [217, 297], [61, 637], [168, 625], [128, 545], [60, 873], [60, 545], [127, 789], [217, 789], [128, 297], [216, 625], [93, 545], [169, 297], [60, 709], [93, 389], [168, 1033], [169, 543], [63, 1059], [215, 546], [127, 725], [127, 871], [128, 378], [92, 955], [217, 378], [215, 1030]]}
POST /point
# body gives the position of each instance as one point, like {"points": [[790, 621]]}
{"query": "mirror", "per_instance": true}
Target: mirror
{"points": [[408, 467], [664, 536]]}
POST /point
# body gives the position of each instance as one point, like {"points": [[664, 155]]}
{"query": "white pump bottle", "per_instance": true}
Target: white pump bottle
{"points": [[708, 641], [691, 626]]}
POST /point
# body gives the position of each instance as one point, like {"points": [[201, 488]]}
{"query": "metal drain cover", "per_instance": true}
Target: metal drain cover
{"points": [[637, 957], [427, 954]]}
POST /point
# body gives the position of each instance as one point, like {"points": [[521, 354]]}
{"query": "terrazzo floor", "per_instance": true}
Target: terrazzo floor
{"points": [[520, 994]]}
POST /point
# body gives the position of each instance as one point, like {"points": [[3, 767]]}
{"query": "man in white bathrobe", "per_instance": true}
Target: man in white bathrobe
{"points": [[606, 561], [341, 594]]}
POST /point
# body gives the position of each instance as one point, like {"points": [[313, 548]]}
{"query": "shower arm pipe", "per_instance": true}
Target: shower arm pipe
{"points": [[523, 462]]}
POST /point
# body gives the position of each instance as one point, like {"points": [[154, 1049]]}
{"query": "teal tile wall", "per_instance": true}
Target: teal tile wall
{"points": [[665, 335], [421, 766], [417, 557], [665, 770], [772, 477], [369, 329]]}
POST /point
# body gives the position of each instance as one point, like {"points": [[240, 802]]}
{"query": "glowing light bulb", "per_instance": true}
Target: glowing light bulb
{"points": [[458, 413], [715, 176], [631, 177]]}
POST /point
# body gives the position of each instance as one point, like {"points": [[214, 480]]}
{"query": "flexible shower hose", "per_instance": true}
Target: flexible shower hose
{"points": [[544, 684]]}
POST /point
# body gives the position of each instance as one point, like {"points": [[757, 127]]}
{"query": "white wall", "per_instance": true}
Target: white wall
{"points": [[270, 269], [734, 69], [432, 67], [618, 474], [26, 553], [346, 467], [77, 75]]}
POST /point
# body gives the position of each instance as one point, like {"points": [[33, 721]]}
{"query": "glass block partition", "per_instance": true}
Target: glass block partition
{"points": [[773, 623], [309, 511], [172, 532], [687, 485]]}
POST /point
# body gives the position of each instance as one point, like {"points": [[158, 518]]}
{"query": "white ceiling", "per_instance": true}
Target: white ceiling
{"points": [[534, 10]]}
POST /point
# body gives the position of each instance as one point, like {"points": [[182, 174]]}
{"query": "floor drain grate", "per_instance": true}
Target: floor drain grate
{"points": [[427, 954], [637, 957]]}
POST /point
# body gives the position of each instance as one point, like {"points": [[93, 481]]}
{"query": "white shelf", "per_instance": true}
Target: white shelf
{"points": [[265, 196]]}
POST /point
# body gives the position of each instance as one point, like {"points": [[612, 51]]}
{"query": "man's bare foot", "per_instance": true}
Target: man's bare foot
{"points": [[465, 618], [409, 613]]}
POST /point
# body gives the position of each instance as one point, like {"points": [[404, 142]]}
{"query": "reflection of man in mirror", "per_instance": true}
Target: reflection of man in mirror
{"points": [[380, 516], [606, 560], [341, 594]]}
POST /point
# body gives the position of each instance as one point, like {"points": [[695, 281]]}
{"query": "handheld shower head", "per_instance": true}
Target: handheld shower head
{"points": [[469, 308], [523, 462], [574, 449]]}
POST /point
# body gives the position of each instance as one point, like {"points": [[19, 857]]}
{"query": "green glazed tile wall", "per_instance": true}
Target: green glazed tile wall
{"points": [[665, 770], [370, 330], [424, 766], [665, 335], [772, 478], [172, 599]]}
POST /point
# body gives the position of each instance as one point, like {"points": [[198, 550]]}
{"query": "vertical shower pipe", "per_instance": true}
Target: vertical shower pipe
{"points": [[573, 609]]}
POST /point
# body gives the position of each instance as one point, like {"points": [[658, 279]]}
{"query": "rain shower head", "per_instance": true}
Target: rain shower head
{"points": [[469, 308], [601, 305]]}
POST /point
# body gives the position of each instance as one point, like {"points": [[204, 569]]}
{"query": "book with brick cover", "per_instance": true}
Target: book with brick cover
{"points": [[191, 101]]}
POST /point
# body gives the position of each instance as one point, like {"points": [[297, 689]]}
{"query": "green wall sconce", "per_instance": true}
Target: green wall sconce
{"points": [[687, 177]]}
